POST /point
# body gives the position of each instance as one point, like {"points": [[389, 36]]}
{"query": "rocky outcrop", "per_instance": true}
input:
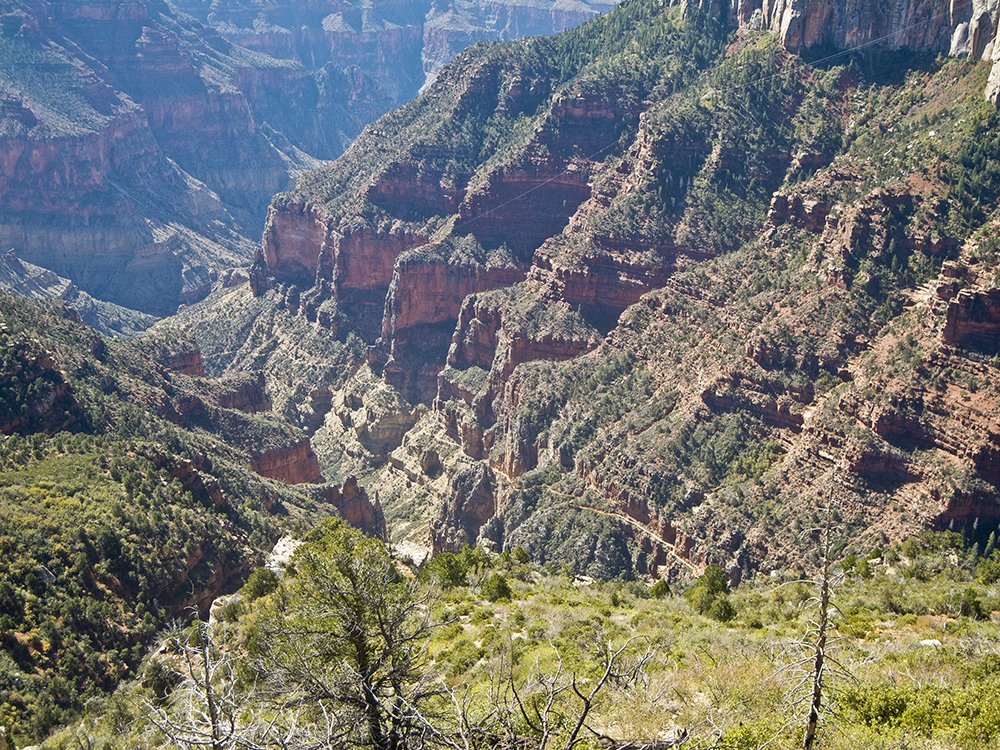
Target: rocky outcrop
{"points": [[478, 389], [294, 239], [365, 421], [419, 474], [808, 214], [878, 466], [202, 486], [484, 337], [523, 208], [303, 245], [958, 29], [488, 337], [35, 394], [376, 415], [472, 503], [962, 507], [421, 310], [293, 464], [176, 351], [425, 292], [244, 392], [259, 283], [186, 362], [601, 286], [778, 410], [354, 505], [973, 320]]}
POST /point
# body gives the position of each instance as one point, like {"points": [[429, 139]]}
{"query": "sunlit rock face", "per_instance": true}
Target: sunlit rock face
{"points": [[958, 29]]}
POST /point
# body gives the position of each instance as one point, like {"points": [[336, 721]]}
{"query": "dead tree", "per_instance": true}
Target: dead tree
{"points": [[543, 708], [205, 709], [822, 628], [814, 666]]}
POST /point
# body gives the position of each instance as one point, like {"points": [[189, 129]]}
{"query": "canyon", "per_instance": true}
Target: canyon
{"points": [[142, 141], [672, 289], [473, 277], [565, 328]]}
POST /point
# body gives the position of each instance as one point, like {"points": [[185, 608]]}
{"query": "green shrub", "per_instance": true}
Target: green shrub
{"points": [[968, 604], [988, 569], [496, 588], [660, 589], [722, 609], [714, 579], [260, 583], [709, 587], [448, 570], [232, 611], [538, 629], [462, 656]]}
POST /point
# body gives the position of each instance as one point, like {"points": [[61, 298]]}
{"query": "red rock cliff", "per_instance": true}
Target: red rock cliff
{"points": [[432, 292], [973, 320], [294, 464]]}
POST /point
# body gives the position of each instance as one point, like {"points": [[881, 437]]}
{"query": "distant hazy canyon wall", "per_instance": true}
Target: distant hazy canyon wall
{"points": [[141, 141], [397, 42]]}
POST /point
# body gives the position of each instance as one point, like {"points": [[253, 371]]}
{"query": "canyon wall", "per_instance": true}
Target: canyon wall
{"points": [[140, 142], [594, 292], [398, 45], [959, 28], [136, 161], [294, 464], [973, 320]]}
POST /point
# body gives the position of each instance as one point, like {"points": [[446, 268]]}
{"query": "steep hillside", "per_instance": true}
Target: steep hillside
{"points": [[700, 665], [133, 492], [650, 293]]}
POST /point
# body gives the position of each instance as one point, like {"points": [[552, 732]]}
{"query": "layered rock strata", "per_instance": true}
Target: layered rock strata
{"points": [[973, 320], [135, 155], [141, 146], [670, 368]]}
